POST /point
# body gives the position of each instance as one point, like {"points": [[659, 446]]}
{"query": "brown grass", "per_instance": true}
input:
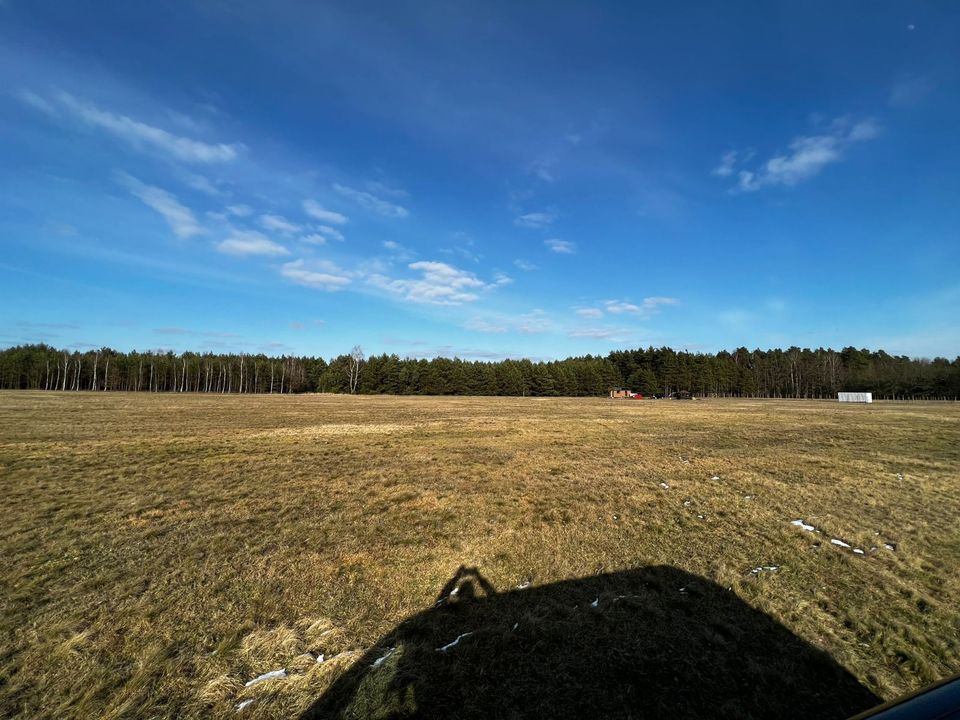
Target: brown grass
{"points": [[162, 550]]}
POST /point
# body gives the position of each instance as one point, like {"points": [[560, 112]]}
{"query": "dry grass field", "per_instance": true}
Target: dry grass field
{"points": [[160, 551]]}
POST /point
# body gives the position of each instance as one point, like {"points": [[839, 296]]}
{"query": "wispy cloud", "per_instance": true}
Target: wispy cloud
{"points": [[140, 134], [372, 202], [910, 89], [202, 184], [524, 265], [30, 98], [278, 223], [240, 210], [535, 220], [314, 239], [320, 275], [485, 326], [318, 212], [649, 306], [600, 333], [564, 247], [250, 242], [438, 284], [179, 217], [807, 156], [727, 162], [330, 232], [589, 312], [534, 322], [398, 252]]}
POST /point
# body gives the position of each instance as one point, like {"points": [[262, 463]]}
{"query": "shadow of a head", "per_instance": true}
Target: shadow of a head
{"points": [[652, 642]]}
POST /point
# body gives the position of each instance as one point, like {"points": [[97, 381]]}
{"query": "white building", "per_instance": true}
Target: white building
{"points": [[855, 397]]}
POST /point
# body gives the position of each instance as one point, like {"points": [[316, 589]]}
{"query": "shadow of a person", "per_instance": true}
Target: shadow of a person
{"points": [[645, 643]]}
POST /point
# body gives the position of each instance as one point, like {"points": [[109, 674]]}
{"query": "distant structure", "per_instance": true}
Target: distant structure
{"points": [[621, 393], [855, 397]]}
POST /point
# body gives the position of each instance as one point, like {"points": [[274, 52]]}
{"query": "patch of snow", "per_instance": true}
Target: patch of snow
{"points": [[516, 625], [765, 568], [683, 589], [595, 603], [664, 486], [841, 543], [320, 658], [803, 525], [524, 585], [382, 659], [244, 703], [715, 477], [700, 516], [282, 673], [686, 503], [858, 551], [899, 476], [890, 546], [456, 642], [748, 497]]}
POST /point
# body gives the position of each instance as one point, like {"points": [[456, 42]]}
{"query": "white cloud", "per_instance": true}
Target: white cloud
{"points": [[807, 156], [502, 279], [314, 239], [438, 284], [320, 275], [36, 102], [599, 333], [240, 210], [617, 306], [524, 265], [318, 212], [727, 162], [140, 134], [398, 252], [589, 312], [484, 326], [647, 307], [179, 217], [372, 202], [250, 242], [379, 188], [534, 322], [278, 223], [202, 184], [330, 232], [536, 220], [563, 247]]}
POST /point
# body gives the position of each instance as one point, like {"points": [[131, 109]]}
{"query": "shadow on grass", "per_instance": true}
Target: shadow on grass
{"points": [[658, 642]]}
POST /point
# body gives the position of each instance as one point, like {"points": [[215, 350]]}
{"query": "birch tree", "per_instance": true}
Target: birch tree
{"points": [[353, 367]]}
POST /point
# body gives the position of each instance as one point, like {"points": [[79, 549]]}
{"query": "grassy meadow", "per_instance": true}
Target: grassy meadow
{"points": [[160, 551]]}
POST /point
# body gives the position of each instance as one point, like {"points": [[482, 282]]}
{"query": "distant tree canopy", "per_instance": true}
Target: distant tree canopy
{"points": [[791, 373]]}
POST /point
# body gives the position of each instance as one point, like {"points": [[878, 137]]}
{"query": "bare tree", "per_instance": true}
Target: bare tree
{"points": [[353, 369]]}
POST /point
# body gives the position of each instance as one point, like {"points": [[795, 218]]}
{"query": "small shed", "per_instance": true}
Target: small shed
{"points": [[621, 393], [855, 397]]}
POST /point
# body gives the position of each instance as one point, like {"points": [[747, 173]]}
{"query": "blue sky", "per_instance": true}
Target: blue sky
{"points": [[533, 179]]}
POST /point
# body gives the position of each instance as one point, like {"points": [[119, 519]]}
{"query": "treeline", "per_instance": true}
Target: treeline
{"points": [[791, 373]]}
